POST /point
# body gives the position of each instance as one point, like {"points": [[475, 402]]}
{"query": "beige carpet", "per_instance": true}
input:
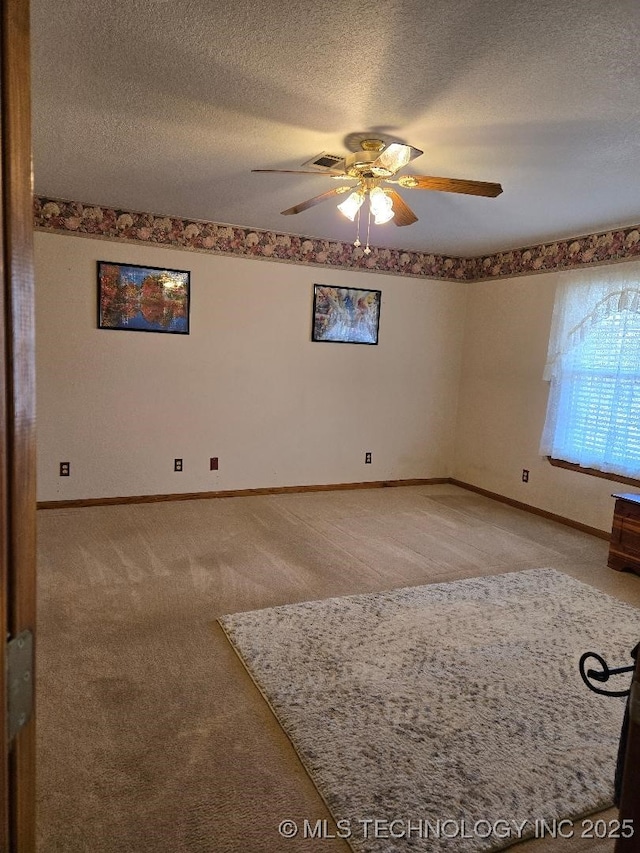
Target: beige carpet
{"points": [[152, 737]]}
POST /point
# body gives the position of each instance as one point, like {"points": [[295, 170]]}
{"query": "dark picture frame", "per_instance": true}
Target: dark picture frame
{"points": [[137, 298], [345, 315]]}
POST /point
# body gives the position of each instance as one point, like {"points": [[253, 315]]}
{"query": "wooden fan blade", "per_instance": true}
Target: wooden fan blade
{"points": [[402, 213], [450, 185], [304, 205], [301, 171]]}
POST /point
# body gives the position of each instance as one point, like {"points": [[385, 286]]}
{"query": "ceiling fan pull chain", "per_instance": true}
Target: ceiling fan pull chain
{"points": [[357, 240], [367, 249]]}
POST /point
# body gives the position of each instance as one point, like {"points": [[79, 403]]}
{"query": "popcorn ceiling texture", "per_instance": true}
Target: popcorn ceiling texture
{"points": [[160, 106], [72, 217]]}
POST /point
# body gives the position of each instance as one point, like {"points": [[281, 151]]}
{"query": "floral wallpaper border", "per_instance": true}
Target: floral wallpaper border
{"points": [[72, 217]]}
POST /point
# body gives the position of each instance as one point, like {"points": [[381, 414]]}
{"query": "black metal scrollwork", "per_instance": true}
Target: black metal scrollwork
{"points": [[602, 675]]}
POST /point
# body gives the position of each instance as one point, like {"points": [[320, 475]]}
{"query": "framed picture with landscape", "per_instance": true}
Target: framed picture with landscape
{"points": [[143, 299], [345, 315]]}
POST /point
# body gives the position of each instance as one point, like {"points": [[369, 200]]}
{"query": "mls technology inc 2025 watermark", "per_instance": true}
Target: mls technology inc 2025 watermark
{"points": [[396, 828]]}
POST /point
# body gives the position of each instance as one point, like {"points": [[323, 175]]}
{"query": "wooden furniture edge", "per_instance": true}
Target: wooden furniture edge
{"points": [[240, 493], [551, 516], [624, 546]]}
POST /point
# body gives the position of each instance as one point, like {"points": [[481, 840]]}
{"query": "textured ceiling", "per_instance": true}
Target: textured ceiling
{"points": [[165, 107]]}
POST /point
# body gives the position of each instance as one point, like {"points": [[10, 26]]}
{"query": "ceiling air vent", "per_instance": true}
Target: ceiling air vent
{"points": [[324, 161]]}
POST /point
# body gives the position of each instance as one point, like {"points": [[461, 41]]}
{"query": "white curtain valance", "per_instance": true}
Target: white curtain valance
{"points": [[583, 298]]}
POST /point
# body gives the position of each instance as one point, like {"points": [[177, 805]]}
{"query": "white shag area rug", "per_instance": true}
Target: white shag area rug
{"points": [[446, 717]]}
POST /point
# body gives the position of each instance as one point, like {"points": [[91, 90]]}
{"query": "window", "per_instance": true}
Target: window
{"points": [[593, 414]]}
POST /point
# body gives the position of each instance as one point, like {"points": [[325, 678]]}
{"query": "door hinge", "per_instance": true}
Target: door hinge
{"points": [[19, 682]]}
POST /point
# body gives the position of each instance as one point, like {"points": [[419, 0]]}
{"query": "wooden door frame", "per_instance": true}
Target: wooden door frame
{"points": [[17, 413]]}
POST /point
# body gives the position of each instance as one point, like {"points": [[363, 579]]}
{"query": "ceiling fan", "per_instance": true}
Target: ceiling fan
{"points": [[373, 166]]}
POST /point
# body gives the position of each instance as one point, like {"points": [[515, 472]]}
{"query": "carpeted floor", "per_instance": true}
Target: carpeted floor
{"points": [[152, 736]]}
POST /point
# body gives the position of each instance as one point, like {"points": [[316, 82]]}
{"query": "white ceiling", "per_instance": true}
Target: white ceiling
{"points": [[160, 106]]}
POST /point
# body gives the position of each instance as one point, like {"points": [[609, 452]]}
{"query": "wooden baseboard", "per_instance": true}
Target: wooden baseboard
{"points": [[238, 493], [328, 487], [585, 528]]}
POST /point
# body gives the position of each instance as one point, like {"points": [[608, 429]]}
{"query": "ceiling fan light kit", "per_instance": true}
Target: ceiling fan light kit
{"points": [[351, 205], [381, 206], [376, 164]]}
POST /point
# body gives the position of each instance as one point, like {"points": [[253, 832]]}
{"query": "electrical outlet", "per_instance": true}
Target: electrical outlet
{"points": [[525, 475], [367, 458], [177, 464], [65, 469], [213, 463]]}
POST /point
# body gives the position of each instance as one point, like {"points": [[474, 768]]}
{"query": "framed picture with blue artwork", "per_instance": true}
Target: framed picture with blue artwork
{"points": [[345, 315], [143, 299]]}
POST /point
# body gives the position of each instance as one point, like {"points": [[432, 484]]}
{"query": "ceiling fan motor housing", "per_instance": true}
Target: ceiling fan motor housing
{"points": [[358, 165]]}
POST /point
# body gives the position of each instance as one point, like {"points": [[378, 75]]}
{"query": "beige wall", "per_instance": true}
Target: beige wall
{"points": [[503, 399], [247, 385], [454, 387]]}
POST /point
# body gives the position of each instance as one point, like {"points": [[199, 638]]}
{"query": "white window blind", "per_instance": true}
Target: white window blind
{"points": [[593, 414]]}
